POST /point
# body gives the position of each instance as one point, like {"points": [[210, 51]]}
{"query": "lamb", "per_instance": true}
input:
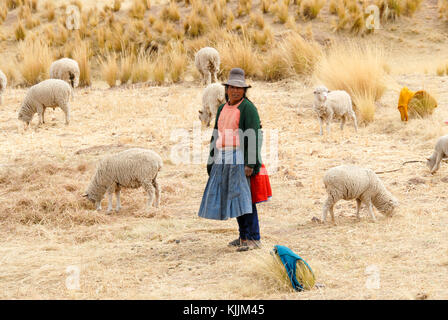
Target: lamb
{"points": [[131, 168], [207, 62], [351, 182], [440, 152], [65, 69], [212, 98], [333, 104], [3, 84], [49, 93]]}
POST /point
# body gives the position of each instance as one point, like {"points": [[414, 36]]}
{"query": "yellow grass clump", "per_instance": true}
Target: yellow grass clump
{"points": [[36, 58], [170, 12], [421, 105], [82, 54], [19, 31], [270, 267], [109, 69], [237, 52], [309, 9]]}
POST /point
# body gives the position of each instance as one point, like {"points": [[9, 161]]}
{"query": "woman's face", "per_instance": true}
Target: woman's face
{"points": [[235, 94]]}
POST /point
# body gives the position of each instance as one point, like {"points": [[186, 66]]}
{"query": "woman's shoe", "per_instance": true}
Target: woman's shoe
{"points": [[235, 243], [247, 245]]}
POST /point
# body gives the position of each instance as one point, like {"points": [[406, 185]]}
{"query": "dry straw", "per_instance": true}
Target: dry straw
{"points": [[269, 266]]}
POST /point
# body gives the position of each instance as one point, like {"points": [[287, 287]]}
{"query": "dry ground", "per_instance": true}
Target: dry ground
{"points": [[170, 253]]}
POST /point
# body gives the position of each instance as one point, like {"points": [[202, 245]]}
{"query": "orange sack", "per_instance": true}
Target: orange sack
{"points": [[403, 100]]}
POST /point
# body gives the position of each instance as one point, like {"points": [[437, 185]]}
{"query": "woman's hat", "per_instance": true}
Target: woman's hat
{"points": [[236, 79]]}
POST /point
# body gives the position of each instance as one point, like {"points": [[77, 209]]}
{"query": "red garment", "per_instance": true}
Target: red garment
{"points": [[260, 187]]}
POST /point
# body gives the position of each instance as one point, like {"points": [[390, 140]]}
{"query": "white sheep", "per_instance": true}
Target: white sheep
{"points": [[132, 168], [49, 93], [440, 152], [207, 62], [212, 98], [3, 84], [329, 105], [65, 69], [350, 182]]}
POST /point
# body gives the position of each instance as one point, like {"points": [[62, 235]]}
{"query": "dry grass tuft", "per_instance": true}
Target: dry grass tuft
{"points": [[19, 31], [309, 9], [82, 54], [110, 70], [237, 52], [36, 58]]}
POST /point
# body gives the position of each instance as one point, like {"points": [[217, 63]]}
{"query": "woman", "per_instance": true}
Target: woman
{"points": [[234, 157]]}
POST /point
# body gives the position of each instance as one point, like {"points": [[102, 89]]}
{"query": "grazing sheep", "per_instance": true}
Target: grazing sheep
{"points": [[207, 62], [351, 182], [49, 93], [132, 168], [440, 152], [65, 69], [3, 84], [333, 104], [212, 98]]}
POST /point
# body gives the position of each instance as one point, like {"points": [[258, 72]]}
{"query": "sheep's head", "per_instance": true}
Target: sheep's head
{"points": [[205, 117], [24, 116], [431, 161], [92, 199], [320, 94], [389, 206]]}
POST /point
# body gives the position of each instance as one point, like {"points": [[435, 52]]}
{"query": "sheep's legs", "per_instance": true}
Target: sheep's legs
{"points": [[329, 204], [321, 126], [358, 207], [109, 200], [215, 77], [208, 77], [67, 114], [149, 188], [117, 194], [40, 112], [371, 211], [437, 163], [342, 122], [355, 122], [156, 187], [43, 115]]}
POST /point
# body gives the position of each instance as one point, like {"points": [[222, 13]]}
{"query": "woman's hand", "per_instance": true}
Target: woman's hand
{"points": [[248, 171]]}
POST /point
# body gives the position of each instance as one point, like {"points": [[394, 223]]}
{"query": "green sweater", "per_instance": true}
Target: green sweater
{"points": [[249, 119]]}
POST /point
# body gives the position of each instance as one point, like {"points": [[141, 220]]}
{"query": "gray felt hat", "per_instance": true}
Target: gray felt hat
{"points": [[236, 79]]}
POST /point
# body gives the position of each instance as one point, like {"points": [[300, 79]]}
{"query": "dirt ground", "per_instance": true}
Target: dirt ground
{"points": [[49, 236]]}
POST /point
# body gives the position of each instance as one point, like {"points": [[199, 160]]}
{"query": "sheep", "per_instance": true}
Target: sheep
{"points": [[333, 104], [65, 69], [49, 93], [131, 168], [351, 182], [207, 62], [3, 84], [212, 98], [440, 152]]}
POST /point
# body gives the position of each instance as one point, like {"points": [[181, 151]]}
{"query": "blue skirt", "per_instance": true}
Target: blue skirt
{"points": [[227, 193]]}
